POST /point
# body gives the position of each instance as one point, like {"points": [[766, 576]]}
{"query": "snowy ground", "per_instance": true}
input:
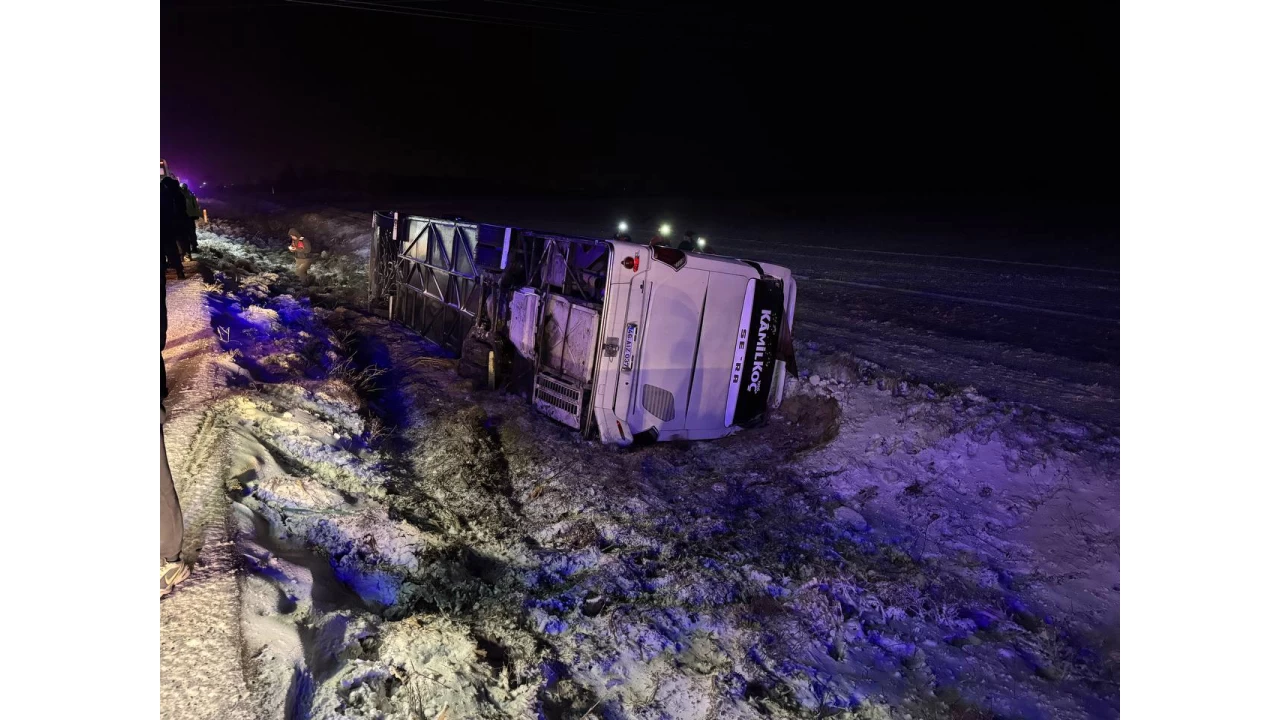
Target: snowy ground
{"points": [[201, 675], [407, 547]]}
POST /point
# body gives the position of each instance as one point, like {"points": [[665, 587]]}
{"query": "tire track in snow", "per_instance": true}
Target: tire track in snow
{"points": [[964, 299], [1070, 284], [201, 670], [932, 256], [1026, 288]]}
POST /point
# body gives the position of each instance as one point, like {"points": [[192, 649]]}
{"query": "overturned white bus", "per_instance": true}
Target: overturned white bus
{"points": [[616, 339]]}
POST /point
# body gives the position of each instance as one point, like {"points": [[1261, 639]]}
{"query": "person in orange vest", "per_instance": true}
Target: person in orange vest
{"points": [[301, 249]]}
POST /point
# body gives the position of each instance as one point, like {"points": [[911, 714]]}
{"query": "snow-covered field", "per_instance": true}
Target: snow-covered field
{"points": [[928, 528]]}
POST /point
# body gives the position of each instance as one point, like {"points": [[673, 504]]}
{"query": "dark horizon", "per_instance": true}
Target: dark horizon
{"points": [[1008, 102]]}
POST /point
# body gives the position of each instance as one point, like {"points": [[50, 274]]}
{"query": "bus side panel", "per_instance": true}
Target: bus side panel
{"points": [[633, 303], [714, 369], [612, 385], [667, 347]]}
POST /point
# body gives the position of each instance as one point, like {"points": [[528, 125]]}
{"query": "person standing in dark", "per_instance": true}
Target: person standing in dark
{"points": [[687, 244], [172, 569], [173, 213], [192, 206]]}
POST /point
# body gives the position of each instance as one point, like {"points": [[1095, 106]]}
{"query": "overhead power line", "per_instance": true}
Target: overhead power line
{"points": [[383, 7], [570, 7], [607, 21]]}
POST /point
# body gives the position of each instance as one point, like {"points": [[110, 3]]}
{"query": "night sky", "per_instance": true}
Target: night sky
{"points": [[661, 97]]}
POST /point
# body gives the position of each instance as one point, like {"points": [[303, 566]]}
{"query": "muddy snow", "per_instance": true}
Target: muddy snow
{"points": [[406, 546]]}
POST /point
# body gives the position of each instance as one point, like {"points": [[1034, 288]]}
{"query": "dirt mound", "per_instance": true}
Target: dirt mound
{"points": [[814, 420], [461, 479]]}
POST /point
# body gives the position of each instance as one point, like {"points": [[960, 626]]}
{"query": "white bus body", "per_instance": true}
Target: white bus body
{"points": [[616, 339]]}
